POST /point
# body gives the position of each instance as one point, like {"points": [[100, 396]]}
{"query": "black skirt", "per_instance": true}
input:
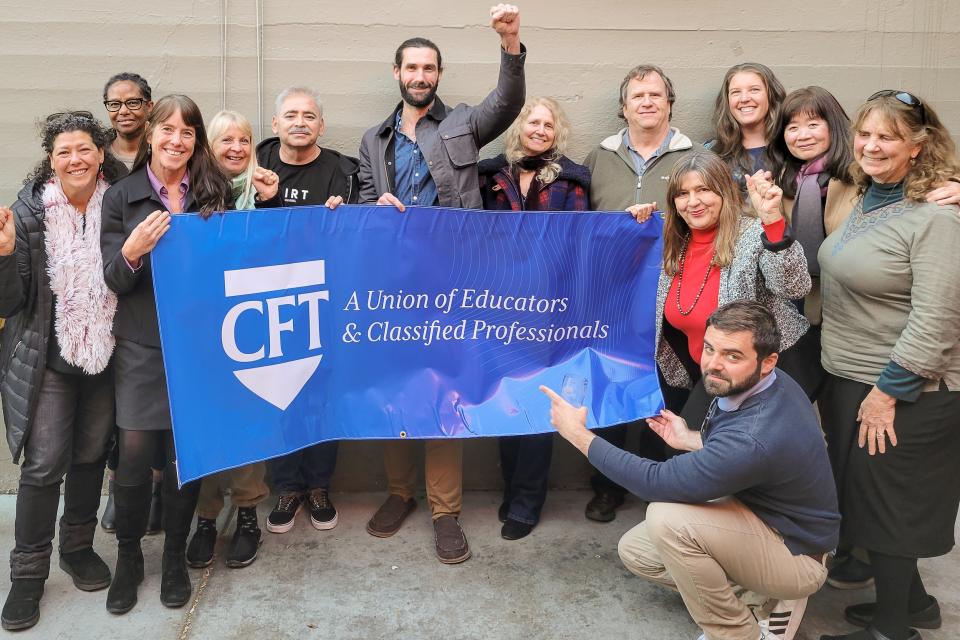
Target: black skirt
{"points": [[903, 502], [142, 402]]}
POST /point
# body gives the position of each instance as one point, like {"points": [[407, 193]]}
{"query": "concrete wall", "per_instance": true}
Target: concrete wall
{"points": [[56, 54]]}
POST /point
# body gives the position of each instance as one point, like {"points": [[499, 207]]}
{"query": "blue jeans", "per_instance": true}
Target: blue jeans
{"points": [[525, 461], [306, 469]]}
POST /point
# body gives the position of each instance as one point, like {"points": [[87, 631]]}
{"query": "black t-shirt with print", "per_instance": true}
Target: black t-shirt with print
{"points": [[310, 183]]}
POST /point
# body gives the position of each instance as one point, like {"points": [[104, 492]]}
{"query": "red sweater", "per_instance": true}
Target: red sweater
{"points": [[698, 257]]}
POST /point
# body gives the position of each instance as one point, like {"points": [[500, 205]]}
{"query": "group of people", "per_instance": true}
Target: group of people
{"points": [[816, 251]]}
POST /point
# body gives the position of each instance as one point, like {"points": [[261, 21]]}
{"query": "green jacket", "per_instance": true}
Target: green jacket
{"points": [[614, 183]]}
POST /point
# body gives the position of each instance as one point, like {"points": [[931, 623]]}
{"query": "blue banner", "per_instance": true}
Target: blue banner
{"points": [[282, 328]]}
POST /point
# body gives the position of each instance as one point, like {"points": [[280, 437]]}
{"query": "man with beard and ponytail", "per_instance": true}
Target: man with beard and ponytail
{"points": [[425, 153], [739, 525]]}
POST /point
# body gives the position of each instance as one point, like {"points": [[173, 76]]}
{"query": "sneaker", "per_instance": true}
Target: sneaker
{"points": [[323, 515], [200, 549], [246, 539], [850, 572], [284, 515], [784, 620], [603, 507]]}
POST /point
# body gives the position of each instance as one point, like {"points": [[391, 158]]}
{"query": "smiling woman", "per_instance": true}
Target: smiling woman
{"points": [[57, 382], [745, 116], [174, 171]]}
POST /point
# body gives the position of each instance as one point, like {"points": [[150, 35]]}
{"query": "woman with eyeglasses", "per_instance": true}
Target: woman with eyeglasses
{"points": [[174, 172], [891, 323], [745, 118], [56, 378], [127, 99]]}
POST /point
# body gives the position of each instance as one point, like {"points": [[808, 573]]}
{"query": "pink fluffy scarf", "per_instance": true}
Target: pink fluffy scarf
{"points": [[83, 313]]}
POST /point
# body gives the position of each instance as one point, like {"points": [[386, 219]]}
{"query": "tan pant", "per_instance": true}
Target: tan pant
{"points": [[712, 552], [247, 489], [443, 469]]}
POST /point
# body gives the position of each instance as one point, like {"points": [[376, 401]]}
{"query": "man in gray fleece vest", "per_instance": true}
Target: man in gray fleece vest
{"points": [[740, 524]]}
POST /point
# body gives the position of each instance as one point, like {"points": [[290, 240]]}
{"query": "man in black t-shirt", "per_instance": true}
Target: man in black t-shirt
{"points": [[309, 173]]}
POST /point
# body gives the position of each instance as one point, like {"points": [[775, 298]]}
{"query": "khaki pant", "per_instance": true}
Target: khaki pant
{"points": [[443, 470], [712, 553], [247, 489]]}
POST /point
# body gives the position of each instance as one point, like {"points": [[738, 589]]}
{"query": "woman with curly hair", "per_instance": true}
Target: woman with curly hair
{"points": [[891, 324], [56, 379]]}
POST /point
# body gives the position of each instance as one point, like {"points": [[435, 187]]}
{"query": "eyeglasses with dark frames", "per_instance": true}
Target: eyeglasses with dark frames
{"points": [[134, 104], [904, 97]]}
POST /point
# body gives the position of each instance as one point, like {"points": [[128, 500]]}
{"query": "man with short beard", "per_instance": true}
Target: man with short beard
{"points": [[425, 153], [741, 524]]}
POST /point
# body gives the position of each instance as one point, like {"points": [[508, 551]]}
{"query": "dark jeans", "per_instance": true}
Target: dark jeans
{"points": [[306, 469], [525, 462], [68, 438]]}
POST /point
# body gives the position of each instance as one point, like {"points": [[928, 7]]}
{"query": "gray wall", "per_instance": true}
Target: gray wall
{"points": [[56, 54]]}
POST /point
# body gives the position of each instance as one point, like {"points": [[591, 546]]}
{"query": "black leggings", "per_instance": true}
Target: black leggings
{"points": [[139, 451], [113, 458]]}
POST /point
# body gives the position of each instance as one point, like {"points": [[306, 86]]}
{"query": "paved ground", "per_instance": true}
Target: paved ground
{"points": [[562, 582]]}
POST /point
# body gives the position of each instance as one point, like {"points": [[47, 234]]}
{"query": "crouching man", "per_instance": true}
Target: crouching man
{"points": [[740, 524]]}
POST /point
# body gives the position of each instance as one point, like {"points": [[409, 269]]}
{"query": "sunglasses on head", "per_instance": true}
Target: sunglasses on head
{"points": [[904, 97], [64, 114]]}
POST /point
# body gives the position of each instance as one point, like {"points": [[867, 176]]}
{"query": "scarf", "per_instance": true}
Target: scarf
{"points": [[83, 313], [807, 216], [243, 197]]}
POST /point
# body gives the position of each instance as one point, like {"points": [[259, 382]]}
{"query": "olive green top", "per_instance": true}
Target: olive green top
{"points": [[891, 293]]}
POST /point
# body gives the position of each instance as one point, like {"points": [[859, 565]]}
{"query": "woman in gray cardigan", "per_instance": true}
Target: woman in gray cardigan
{"points": [[713, 253]]}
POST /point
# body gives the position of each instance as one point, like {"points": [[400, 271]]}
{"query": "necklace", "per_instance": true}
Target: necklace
{"points": [[683, 258]]}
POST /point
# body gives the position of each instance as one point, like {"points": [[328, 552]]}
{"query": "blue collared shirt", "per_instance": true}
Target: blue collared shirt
{"points": [[639, 163], [413, 184], [732, 403]]}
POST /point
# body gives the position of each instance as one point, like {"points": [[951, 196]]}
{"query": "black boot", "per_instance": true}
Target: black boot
{"points": [[88, 570], [178, 508], [78, 525], [155, 523], [22, 608], [175, 585], [132, 505], [108, 522]]}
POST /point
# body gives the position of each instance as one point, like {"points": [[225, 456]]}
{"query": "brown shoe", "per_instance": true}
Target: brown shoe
{"points": [[391, 514], [452, 545]]}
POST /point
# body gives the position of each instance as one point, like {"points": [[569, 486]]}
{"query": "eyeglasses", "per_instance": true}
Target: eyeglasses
{"points": [[65, 114], [134, 104], [904, 97], [706, 419]]}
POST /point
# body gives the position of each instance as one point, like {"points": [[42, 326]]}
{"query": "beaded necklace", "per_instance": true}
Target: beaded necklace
{"points": [[683, 256]]}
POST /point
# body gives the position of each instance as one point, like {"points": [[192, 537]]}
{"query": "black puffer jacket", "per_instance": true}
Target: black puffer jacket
{"points": [[27, 302]]}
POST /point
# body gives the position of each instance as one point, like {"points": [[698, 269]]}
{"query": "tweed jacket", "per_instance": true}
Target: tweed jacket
{"points": [[770, 273]]}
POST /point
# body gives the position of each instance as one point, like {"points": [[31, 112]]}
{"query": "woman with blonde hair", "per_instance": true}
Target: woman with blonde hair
{"points": [[531, 175], [891, 324], [231, 141]]}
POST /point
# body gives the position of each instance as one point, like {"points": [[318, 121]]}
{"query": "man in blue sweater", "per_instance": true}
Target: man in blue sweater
{"points": [[747, 516]]}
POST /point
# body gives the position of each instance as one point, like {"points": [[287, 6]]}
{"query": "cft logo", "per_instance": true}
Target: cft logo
{"points": [[253, 330]]}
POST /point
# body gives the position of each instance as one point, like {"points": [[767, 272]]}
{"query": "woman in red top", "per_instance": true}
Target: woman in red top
{"points": [[714, 253]]}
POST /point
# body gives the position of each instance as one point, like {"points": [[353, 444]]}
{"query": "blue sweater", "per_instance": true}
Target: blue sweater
{"points": [[770, 454]]}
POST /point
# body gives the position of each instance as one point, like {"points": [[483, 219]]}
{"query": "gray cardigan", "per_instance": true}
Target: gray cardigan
{"points": [[770, 273]]}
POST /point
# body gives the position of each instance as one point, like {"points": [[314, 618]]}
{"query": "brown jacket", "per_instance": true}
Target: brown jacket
{"points": [[841, 198]]}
